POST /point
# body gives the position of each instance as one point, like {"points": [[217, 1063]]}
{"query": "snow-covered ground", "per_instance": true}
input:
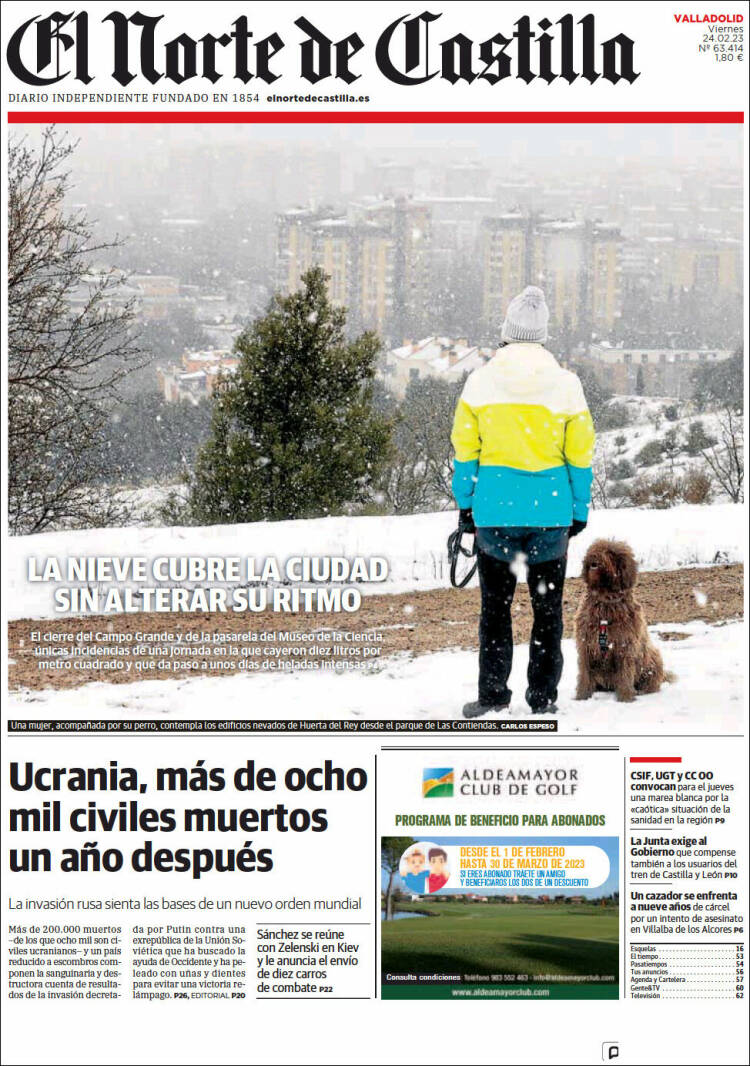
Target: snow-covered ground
{"points": [[706, 697], [414, 545], [145, 500]]}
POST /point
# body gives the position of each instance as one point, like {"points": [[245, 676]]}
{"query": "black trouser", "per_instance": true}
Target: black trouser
{"points": [[498, 584]]}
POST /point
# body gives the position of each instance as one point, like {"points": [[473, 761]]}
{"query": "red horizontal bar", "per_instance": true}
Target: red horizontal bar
{"points": [[650, 758], [366, 117]]}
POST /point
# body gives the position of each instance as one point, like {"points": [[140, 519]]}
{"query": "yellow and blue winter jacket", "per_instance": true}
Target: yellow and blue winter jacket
{"points": [[524, 442]]}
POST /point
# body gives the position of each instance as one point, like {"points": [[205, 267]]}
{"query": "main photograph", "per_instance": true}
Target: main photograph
{"points": [[388, 422]]}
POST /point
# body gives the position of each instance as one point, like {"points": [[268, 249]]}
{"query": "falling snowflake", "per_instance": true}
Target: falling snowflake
{"points": [[518, 565]]}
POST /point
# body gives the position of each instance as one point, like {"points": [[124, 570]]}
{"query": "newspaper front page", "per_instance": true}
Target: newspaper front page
{"points": [[375, 671]]}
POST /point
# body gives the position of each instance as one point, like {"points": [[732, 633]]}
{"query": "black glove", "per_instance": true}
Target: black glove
{"points": [[577, 527], [466, 520]]}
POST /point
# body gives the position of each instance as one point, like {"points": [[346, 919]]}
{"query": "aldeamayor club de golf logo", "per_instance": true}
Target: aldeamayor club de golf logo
{"points": [[437, 781]]}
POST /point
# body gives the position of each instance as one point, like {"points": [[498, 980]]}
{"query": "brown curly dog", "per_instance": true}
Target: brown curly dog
{"points": [[615, 653]]}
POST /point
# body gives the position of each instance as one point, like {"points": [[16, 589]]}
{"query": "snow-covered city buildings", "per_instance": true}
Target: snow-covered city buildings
{"points": [[195, 377], [650, 371], [440, 357]]}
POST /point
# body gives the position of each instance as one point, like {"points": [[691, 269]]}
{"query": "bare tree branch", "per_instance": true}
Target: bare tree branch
{"points": [[725, 459], [70, 344]]}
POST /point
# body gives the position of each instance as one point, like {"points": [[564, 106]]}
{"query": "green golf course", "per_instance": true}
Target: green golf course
{"points": [[495, 939]]}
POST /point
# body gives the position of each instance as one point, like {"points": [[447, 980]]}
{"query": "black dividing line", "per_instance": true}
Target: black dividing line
{"points": [[12, 733], [377, 877], [624, 860]]}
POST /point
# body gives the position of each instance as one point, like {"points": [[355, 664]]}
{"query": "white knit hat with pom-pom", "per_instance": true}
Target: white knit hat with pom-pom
{"points": [[527, 317]]}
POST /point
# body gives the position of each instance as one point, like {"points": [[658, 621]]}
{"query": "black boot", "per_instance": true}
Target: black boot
{"points": [[477, 708], [548, 708]]}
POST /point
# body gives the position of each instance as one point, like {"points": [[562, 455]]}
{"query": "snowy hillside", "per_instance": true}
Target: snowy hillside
{"points": [[414, 545], [663, 437]]}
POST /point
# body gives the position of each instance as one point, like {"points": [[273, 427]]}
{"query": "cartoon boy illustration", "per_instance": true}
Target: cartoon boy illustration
{"points": [[415, 879], [439, 872]]}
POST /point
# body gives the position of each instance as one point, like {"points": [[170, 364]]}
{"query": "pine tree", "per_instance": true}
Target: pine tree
{"points": [[294, 432], [697, 439]]}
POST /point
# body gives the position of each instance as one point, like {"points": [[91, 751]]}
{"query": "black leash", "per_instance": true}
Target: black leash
{"points": [[456, 550]]}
